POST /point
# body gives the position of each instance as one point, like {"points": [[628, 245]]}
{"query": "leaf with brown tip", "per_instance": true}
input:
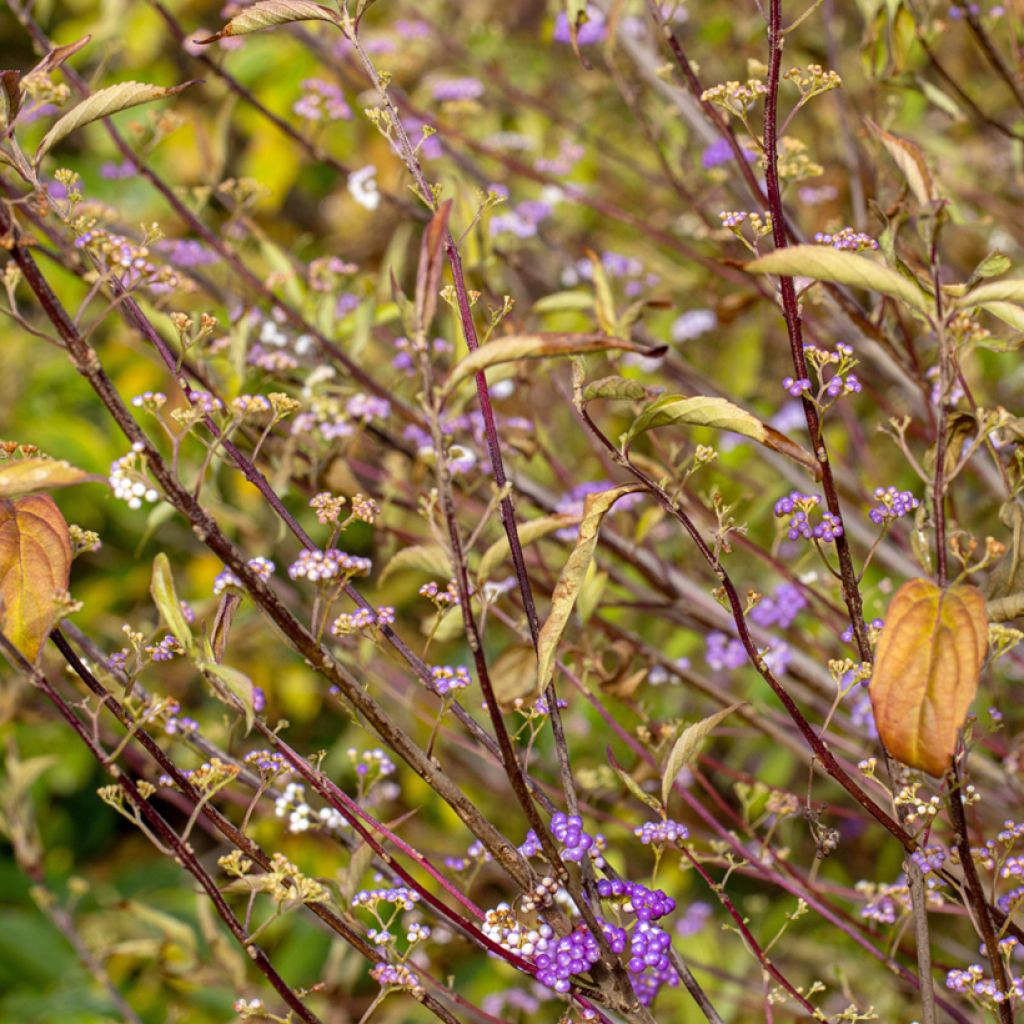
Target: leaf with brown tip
{"points": [[926, 672], [35, 565]]}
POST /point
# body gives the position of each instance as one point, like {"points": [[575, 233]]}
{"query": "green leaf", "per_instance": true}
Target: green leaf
{"points": [[26, 476], [1010, 313], [528, 533], [270, 13], [1009, 290], [633, 786], [823, 263], [687, 747], [995, 264], [428, 558], [706, 411], [562, 302], [909, 158], [166, 599], [536, 346], [568, 586], [604, 303], [617, 389], [102, 104], [238, 684]]}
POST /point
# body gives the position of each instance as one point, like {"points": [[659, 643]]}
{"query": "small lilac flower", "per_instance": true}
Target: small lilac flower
{"points": [[590, 32], [451, 90]]}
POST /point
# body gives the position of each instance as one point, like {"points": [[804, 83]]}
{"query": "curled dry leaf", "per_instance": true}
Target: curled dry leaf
{"points": [[35, 566], [926, 671], [102, 104], [720, 414], [270, 13]]}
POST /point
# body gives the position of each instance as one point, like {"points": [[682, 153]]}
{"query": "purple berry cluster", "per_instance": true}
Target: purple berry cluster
{"points": [[892, 504], [568, 830], [796, 386], [575, 953], [647, 904], [447, 679]]}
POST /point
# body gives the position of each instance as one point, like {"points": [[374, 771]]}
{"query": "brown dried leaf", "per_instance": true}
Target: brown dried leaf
{"points": [[35, 566], [428, 274], [926, 671]]}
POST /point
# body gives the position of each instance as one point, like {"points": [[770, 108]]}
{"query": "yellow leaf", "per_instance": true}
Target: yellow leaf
{"points": [[823, 263], [687, 747], [707, 411], [568, 586], [926, 671], [26, 476], [35, 565], [536, 346]]}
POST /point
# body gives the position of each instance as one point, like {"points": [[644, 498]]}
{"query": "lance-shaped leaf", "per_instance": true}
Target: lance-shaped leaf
{"points": [[567, 588], [1009, 290], [529, 531], [537, 346], [26, 476], [35, 565], [166, 599], [686, 748], [823, 263], [909, 158], [102, 104], [705, 411], [1010, 313], [229, 682], [430, 558], [618, 389], [270, 13], [11, 92], [926, 672]]}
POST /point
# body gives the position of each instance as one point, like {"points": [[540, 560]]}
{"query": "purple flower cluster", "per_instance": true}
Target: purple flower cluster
{"points": [[659, 833], [796, 386], [720, 152], [590, 32], [322, 101], [447, 679], [797, 506], [892, 504], [167, 649], [847, 240], [723, 653], [327, 565], [781, 608], [453, 90]]}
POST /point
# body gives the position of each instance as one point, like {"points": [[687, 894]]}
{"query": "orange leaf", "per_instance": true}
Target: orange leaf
{"points": [[35, 565], [926, 671]]}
